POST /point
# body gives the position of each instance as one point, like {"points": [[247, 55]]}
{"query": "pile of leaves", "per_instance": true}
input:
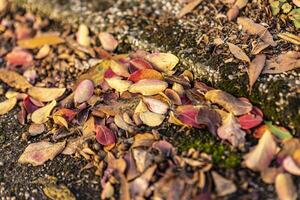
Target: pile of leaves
{"points": [[110, 114]]}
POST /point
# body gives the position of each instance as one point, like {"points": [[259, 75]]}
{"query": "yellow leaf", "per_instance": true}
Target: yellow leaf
{"points": [[13, 79], [46, 94], [60, 121], [41, 115], [7, 105], [41, 40]]}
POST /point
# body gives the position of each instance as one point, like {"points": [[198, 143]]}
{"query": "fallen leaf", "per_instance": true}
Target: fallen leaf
{"points": [[223, 186], [43, 52], [57, 119], [19, 57], [143, 140], [256, 29], [108, 41], [290, 166], [40, 152], [187, 115], [119, 121], [282, 63], [210, 118], [255, 68], [95, 74], [249, 121], [58, 192], [231, 131], [13, 79], [285, 187], [229, 102], [238, 52], [269, 174], [40, 40], [151, 119], [119, 69], [148, 87], [29, 106], [279, 132], [84, 91], [145, 74], [173, 96], [7, 105], [290, 37], [104, 135], [41, 115], [46, 94], [164, 62], [140, 63], [188, 8], [233, 12], [259, 158], [297, 3], [118, 84], [156, 105], [260, 46], [36, 129], [82, 35]]}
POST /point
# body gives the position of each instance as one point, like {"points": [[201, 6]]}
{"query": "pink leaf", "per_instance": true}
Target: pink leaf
{"points": [[188, 115], [249, 121], [19, 57]]}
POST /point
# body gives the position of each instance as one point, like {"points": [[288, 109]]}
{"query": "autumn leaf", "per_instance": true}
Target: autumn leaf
{"points": [[41, 115], [279, 132], [255, 68], [7, 105], [285, 188], [262, 154], [229, 102], [151, 119], [118, 84], [210, 118], [38, 153], [282, 63], [19, 57], [104, 135], [164, 62], [148, 87], [256, 29], [13, 79], [108, 41], [188, 8], [84, 91], [250, 120], [46, 94], [145, 74], [40, 40], [238, 52], [187, 115], [223, 186], [231, 131]]}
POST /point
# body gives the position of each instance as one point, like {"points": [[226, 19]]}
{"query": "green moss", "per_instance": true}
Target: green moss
{"points": [[222, 154]]}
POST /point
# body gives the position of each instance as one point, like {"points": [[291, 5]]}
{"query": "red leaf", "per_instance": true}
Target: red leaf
{"points": [[68, 114], [188, 115], [28, 105], [109, 73], [105, 136], [249, 121], [139, 63]]}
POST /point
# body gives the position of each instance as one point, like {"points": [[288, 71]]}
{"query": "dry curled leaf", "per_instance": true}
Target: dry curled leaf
{"points": [[118, 84], [40, 40], [82, 35], [223, 186], [295, 39], [13, 79], [156, 105], [210, 118], [58, 192], [7, 105], [43, 52], [46, 94], [38, 153], [229, 102], [145, 74], [256, 29], [104, 135], [36, 129], [238, 52], [231, 131], [282, 63], [255, 68], [188, 8], [262, 154], [41, 115]]}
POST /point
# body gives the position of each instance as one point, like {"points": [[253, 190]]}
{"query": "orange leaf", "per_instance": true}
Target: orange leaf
{"points": [[145, 74]]}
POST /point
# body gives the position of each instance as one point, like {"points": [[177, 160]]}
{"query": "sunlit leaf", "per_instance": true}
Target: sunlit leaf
{"points": [[255, 68], [41, 115], [108, 41], [156, 105], [152, 119], [13, 79], [104, 135], [82, 35], [7, 105], [84, 91], [145, 74], [164, 62], [279, 132], [285, 188], [118, 84], [19, 57], [40, 40], [46, 94], [148, 87], [238, 52], [38, 153]]}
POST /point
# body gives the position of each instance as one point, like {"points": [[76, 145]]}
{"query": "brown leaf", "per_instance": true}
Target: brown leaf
{"points": [[84, 91], [259, 47], [238, 52], [58, 192], [229, 102], [7, 105], [188, 8], [108, 41], [290, 37], [164, 62], [38, 153], [255, 68], [210, 118], [13, 79], [282, 63], [41, 40], [256, 29], [46, 94]]}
